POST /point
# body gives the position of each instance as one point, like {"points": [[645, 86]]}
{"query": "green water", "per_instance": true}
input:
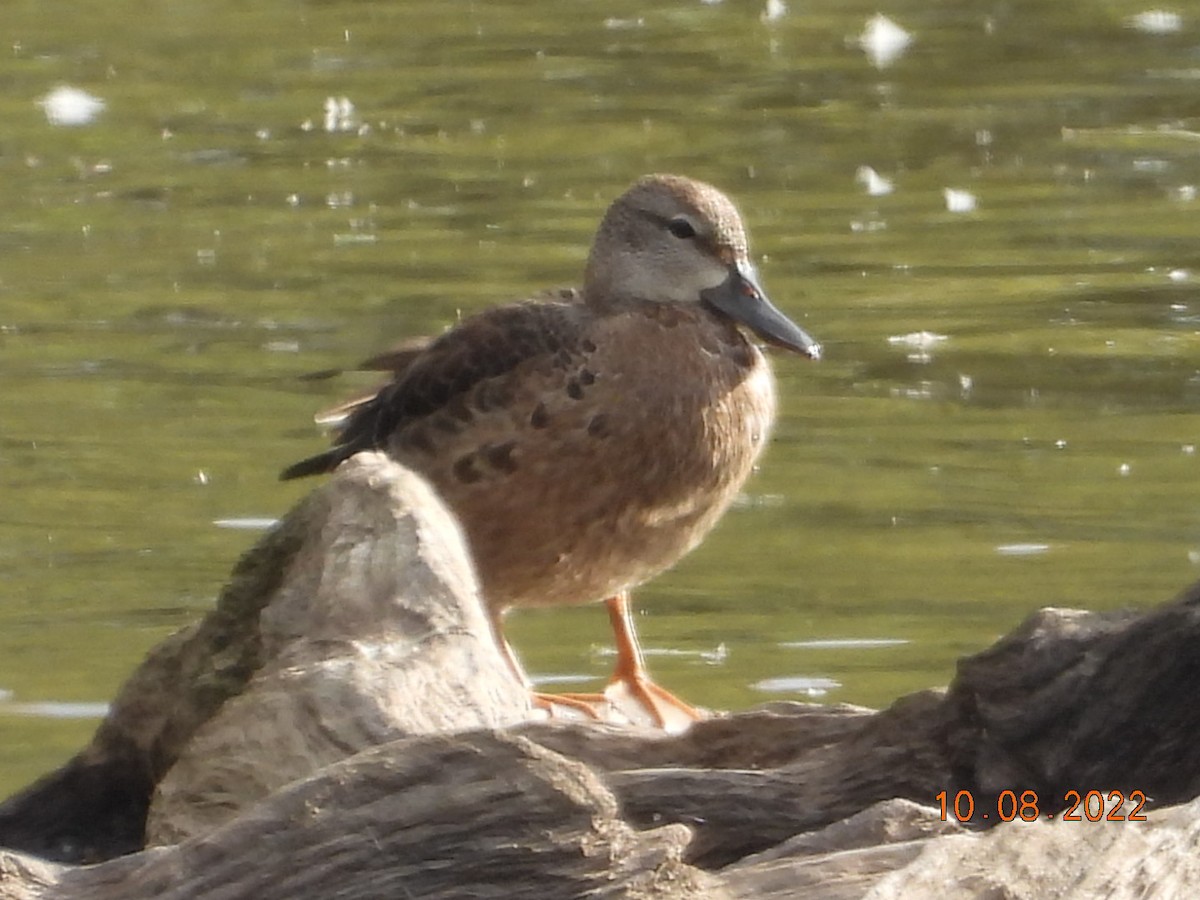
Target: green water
{"points": [[169, 269]]}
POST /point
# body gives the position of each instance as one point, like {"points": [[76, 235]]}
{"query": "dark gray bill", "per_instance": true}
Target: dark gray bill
{"points": [[740, 298]]}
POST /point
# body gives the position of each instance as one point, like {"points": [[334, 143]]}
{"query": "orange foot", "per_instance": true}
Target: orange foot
{"points": [[666, 710], [630, 696], [553, 704], [636, 700], [631, 684]]}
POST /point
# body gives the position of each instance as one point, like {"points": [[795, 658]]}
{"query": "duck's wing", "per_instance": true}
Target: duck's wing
{"points": [[430, 378], [394, 361]]}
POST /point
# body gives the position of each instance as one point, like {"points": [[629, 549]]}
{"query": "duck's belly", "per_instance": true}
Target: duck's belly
{"points": [[572, 496]]}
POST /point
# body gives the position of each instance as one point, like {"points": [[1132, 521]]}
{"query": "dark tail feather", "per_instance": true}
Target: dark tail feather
{"points": [[319, 464]]}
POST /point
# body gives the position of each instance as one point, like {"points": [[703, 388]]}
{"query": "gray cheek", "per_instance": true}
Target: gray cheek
{"points": [[700, 273], [712, 278], [658, 284], [671, 275]]}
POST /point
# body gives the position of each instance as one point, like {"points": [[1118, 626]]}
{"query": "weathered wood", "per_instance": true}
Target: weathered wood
{"points": [[843, 860], [354, 621], [1083, 701], [746, 782], [374, 632], [736, 812], [485, 815], [1066, 860], [330, 729]]}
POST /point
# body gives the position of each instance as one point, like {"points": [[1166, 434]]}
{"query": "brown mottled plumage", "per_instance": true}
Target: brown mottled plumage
{"points": [[587, 440]]}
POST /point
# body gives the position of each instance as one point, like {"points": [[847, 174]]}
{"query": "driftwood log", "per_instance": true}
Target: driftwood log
{"points": [[344, 724]]}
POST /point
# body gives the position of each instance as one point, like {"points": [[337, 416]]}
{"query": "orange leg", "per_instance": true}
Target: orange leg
{"points": [[509, 656], [631, 678], [546, 702]]}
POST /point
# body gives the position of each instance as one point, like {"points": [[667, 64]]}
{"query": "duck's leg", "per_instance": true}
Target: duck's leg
{"points": [[630, 681], [631, 678], [546, 702]]}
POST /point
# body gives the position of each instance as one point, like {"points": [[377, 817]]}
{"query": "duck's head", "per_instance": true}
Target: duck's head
{"points": [[672, 239]]}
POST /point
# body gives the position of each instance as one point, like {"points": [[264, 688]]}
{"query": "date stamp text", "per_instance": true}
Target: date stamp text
{"points": [[1027, 806]]}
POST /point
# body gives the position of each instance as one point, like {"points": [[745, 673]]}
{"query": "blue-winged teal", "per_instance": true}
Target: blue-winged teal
{"points": [[588, 439]]}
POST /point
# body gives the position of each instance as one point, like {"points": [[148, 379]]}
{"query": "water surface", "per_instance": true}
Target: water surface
{"points": [[1005, 418]]}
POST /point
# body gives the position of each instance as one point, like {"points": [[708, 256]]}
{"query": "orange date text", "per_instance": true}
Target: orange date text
{"points": [[1090, 806]]}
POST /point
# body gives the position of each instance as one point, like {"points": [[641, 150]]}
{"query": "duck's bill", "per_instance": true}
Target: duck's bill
{"points": [[740, 297]]}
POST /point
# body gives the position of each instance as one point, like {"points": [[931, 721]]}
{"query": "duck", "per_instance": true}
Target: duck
{"points": [[588, 438]]}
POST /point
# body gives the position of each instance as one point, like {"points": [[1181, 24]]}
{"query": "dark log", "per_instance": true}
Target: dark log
{"points": [[1080, 701]]}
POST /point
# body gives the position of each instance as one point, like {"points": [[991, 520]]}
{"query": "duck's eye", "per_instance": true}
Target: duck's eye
{"points": [[681, 228]]}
